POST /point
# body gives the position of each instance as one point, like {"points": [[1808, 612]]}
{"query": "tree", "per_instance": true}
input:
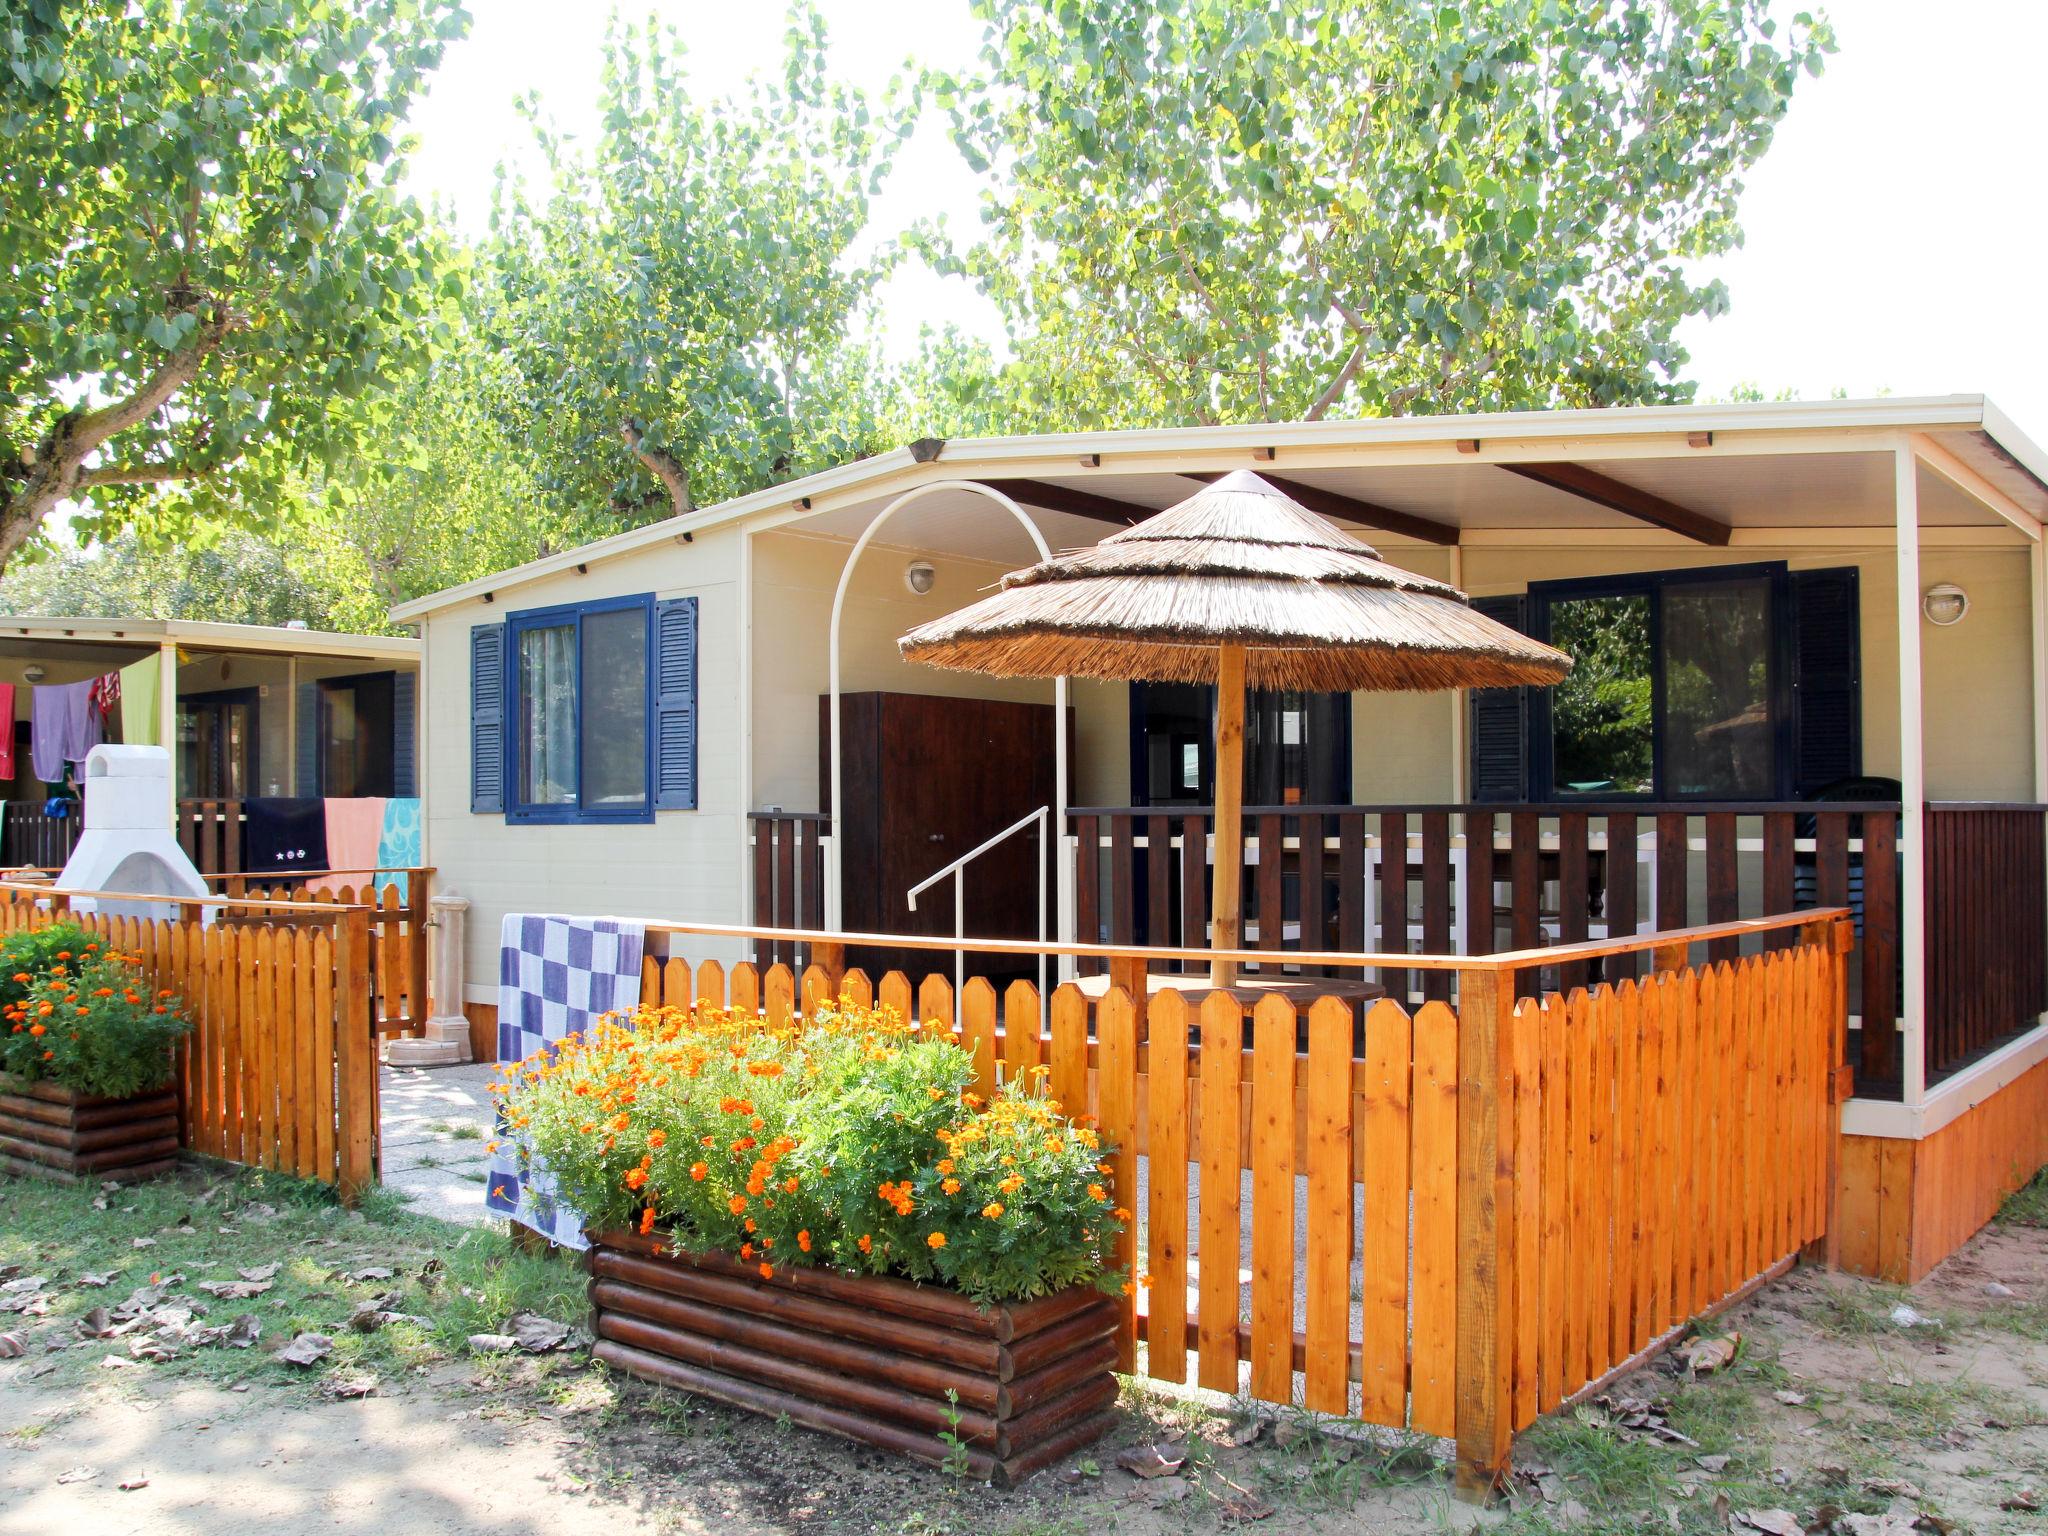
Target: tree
{"points": [[234, 578], [205, 263], [1255, 209], [673, 306]]}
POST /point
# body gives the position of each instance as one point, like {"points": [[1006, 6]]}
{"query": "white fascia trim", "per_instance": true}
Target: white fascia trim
{"points": [[2025, 451], [1950, 1100], [1052, 451]]}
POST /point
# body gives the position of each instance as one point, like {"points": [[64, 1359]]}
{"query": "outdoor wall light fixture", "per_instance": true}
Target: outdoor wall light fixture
{"points": [[34, 673], [1944, 604], [919, 576]]}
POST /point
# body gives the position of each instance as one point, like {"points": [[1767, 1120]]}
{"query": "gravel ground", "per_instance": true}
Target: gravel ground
{"points": [[436, 1122]]}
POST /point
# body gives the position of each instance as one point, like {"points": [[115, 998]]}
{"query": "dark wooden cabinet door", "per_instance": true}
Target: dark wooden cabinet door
{"points": [[927, 779]]}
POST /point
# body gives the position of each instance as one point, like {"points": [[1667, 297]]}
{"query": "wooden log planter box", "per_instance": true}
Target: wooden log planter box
{"points": [[866, 1357], [58, 1134]]}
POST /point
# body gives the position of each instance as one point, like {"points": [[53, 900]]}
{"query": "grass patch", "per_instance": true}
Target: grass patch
{"points": [[1927, 1410], [454, 1130], [208, 1223], [2027, 1206]]}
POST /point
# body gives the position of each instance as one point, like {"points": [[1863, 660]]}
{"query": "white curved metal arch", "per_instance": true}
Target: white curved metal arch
{"points": [[835, 887]]}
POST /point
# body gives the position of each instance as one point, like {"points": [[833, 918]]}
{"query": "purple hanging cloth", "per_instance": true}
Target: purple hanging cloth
{"points": [[67, 726]]}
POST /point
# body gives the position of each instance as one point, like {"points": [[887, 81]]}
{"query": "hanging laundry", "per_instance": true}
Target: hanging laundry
{"points": [[6, 730], [354, 829], [66, 727], [141, 724], [106, 694], [399, 847], [284, 836]]}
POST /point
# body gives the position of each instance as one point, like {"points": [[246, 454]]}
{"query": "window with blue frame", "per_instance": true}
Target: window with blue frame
{"points": [[580, 688]]}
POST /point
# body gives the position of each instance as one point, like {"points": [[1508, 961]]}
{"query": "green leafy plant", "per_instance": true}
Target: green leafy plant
{"points": [[955, 1463], [850, 1139], [87, 1020]]}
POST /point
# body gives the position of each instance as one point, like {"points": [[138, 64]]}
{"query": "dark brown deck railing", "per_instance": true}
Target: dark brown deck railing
{"points": [[1987, 912], [1316, 878], [31, 838], [789, 878]]}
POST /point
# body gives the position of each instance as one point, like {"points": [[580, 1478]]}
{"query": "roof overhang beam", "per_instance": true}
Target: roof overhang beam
{"points": [[1619, 496]]}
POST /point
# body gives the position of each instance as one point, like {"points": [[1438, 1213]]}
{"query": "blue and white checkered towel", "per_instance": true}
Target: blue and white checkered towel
{"points": [[556, 976]]}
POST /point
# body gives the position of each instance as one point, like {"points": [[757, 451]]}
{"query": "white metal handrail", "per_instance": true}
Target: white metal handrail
{"points": [[958, 871]]}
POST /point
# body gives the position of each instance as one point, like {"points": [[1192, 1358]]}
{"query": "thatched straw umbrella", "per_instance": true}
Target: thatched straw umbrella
{"points": [[1239, 586]]}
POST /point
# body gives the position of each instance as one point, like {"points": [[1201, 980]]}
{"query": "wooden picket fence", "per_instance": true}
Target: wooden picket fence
{"points": [[399, 902], [279, 1070], [1547, 1187]]}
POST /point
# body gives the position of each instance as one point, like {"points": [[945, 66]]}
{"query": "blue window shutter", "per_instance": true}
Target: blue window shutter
{"points": [[404, 721], [306, 773], [487, 718], [675, 704]]}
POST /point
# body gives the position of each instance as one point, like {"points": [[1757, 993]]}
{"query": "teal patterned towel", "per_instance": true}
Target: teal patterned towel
{"points": [[399, 847]]}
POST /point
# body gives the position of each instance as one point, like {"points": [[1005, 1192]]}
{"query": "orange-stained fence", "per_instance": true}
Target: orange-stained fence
{"points": [[1447, 1221], [399, 903], [279, 1070]]}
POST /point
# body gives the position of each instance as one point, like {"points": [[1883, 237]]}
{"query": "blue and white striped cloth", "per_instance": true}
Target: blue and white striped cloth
{"points": [[556, 976]]}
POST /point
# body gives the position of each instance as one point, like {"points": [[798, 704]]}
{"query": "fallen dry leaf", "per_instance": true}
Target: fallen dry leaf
{"points": [[306, 1349], [1149, 1461], [1790, 1398], [2025, 1502], [261, 1271], [536, 1334], [78, 1475], [234, 1290], [12, 1346], [1703, 1357], [350, 1384], [96, 1324], [1775, 1522], [1245, 1505], [96, 1278]]}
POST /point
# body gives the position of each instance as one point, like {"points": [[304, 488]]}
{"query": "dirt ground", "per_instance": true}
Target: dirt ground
{"points": [[1839, 1414]]}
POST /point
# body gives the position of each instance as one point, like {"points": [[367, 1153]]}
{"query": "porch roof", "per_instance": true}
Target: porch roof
{"points": [[1721, 473], [82, 638]]}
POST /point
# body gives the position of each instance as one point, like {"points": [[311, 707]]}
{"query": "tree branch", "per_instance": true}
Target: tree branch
{"points": [[666, 467], [1334, 390], [139, 474]]}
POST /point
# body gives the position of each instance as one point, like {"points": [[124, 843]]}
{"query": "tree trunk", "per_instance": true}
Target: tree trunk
{"points": [[666, 467]]}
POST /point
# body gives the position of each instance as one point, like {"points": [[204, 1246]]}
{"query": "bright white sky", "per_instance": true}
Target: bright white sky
{"points": [[1895, 232]]}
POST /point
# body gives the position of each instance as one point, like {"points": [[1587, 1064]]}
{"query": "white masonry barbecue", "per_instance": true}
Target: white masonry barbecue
{"points": [[127, 846]]}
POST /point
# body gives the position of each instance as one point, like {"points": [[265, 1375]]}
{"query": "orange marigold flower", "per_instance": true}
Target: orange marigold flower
{"points": [[657, 1139], [1130, 1289], [1121, 1214], [803, 1240], [699, 1172], [1097, 1193], [767, 1271], [790, 1185], [635, 1177], [46, 1009], [936, 1240], [1012, 1184], [750, 1224], [23, 977], [746, 1250], [951, 1186], [104, 992], [647, 1221], [737, 1205], [39, 1029], [945, 1165], [993, 1209], [82, 1010], [867, 1243], [165, 993]]}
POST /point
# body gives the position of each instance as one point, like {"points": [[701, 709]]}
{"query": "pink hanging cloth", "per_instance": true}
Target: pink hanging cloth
{"points": [[6, 730], [354, 828]]}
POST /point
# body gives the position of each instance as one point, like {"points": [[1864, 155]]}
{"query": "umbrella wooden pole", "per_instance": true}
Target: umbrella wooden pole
{"points": [[1227, 902]]}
